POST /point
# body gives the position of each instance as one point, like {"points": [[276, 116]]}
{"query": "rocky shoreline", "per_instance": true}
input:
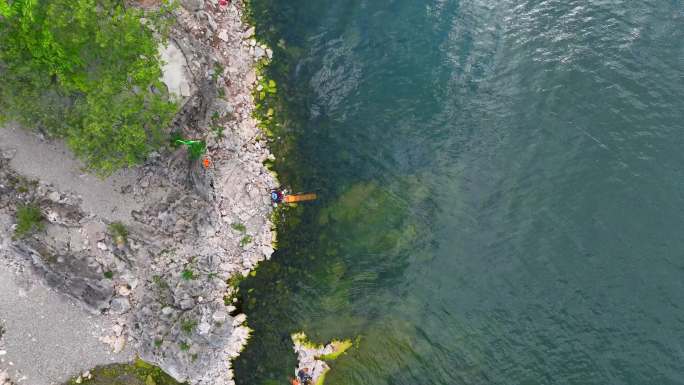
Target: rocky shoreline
{"points": [[157, 265]]}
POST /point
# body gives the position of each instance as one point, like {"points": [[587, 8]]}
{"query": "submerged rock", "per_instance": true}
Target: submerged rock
{"points": [[312, 358]]}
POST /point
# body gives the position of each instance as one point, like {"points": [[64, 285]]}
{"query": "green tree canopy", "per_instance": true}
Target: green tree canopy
{"points": [[87, 71]]}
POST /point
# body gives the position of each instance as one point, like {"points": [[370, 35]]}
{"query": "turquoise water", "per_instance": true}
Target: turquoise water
{"points": [[502, 191]]}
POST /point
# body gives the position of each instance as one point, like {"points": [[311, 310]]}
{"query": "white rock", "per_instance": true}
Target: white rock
{"points": [[203, 328], [123, 290], [239, 319], [223, 35], [54, 196], [101, 246], [174, 71], [118, 329], [120, 305], [266, 251], [220, 316], [119, 344]]}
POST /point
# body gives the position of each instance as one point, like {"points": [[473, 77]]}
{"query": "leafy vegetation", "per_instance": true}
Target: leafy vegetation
{"points": [[87, 71], [119, 232], [237, 226], [187, 274], [216, 126], [160, 282], [247, 239], [218, 71], [188, 325], [108, 274], [29, 219]]}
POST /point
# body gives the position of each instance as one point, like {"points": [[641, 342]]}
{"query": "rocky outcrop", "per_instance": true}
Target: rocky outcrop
{"points": [[164, 272], [312, 358], [71, 253]]}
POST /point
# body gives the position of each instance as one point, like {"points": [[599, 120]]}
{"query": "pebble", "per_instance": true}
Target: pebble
{"points": [[239, 319], [54, 196], [120, 305], [187, 304], [124, 291], [220, 316], [203, 328], [117, 329]]}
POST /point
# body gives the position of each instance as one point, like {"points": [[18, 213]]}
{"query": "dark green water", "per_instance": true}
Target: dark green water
{"points": [[502, 191]]}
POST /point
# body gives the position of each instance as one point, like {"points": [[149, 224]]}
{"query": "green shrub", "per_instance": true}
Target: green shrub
{"points": [[187, 274], [87, 71], [188, 325], [29, 219], [109, 274], [160, 282], [119, 231], [238, 227], [245, 240], [218, 71]]}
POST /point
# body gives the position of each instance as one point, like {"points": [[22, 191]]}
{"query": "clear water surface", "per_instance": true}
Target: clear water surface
{"points": [[502, 191]]}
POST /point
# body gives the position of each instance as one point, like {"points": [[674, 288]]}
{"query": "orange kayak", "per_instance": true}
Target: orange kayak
{"points": [[299, 198]]}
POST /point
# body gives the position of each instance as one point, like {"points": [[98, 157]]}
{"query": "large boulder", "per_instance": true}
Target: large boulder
{"points": [[175, 73]]}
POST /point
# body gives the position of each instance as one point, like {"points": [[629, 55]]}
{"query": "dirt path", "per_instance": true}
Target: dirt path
{"points": [[52, 162], [48, 338]]}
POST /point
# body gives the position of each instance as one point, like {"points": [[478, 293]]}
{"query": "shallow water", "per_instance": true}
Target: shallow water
{"points": [[502, 191]]}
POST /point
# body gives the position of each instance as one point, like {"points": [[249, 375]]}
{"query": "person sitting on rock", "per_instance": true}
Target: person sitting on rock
{"points": [[304, 376], [277, 196]]}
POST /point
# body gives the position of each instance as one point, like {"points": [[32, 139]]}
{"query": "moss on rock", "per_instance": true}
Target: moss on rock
{"points": [[137, 373]]}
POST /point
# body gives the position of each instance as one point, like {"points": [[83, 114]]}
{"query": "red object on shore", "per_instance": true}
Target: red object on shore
{"points": [[223, 3]]}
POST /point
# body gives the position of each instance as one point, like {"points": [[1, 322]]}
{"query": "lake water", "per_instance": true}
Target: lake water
{"points": [[501, 191]]}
